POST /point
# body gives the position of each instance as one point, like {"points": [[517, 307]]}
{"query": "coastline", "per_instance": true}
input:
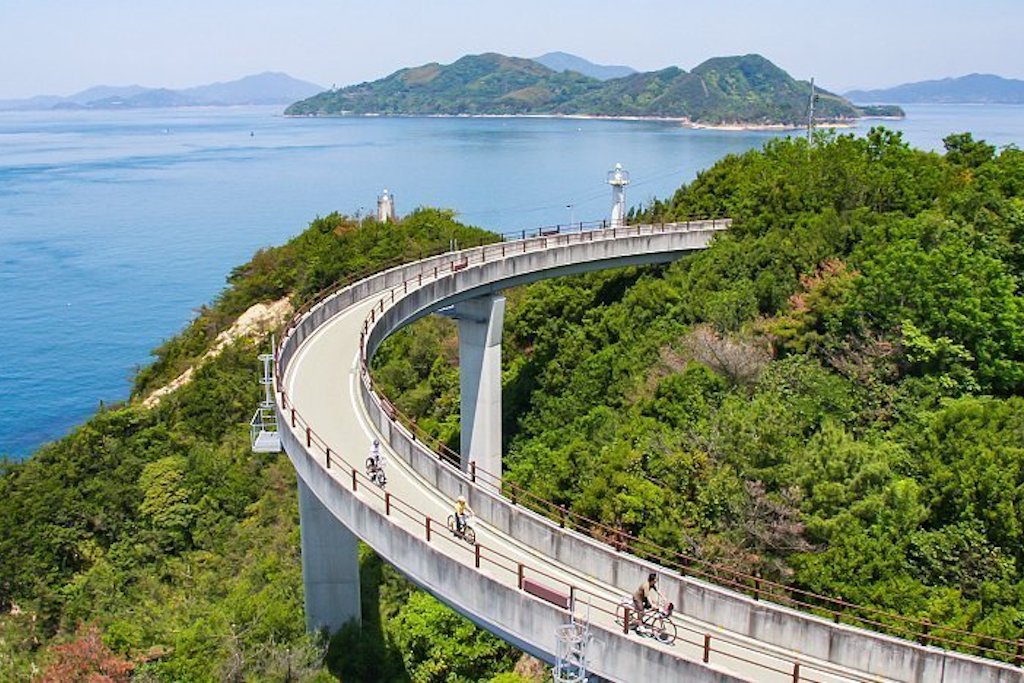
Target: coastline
{"points": [[682, 121]]}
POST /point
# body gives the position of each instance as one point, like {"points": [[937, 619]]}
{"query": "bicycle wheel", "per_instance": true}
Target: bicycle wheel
{"points": [[451, 523], [379, 478], [369, 464], [663, 630], [469, 535]]}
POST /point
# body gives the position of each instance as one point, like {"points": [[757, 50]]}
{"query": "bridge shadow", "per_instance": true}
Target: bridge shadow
{"points": [[362, 652]]}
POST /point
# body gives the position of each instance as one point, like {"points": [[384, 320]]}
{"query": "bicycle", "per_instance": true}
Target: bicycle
{"points": [[375, 471], [655, 622], [467, 534]]}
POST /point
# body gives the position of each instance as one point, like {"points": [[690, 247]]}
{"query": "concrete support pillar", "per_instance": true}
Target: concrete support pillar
{"points": [[330, 566], [480, 322]]}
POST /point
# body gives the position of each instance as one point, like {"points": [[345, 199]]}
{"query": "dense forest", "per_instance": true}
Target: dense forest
{"points": [[831, 397]]}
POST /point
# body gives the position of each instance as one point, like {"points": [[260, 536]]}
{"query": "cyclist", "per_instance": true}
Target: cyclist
{"points": [[642, 595], [376, 460], [462, 510]]}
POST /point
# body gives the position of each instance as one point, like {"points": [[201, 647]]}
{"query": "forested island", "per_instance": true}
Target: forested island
{"points": [[745, 89], [831, 396]]}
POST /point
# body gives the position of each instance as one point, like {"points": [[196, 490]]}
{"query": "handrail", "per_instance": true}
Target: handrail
{"points": [[620, 539]]}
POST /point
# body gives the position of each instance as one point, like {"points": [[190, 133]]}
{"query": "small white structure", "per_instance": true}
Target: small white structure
{"points": [[571, 641], [618, 178], [386, 207], [263, 426]]}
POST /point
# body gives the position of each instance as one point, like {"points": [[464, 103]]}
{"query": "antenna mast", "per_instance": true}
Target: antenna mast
{"points": [[810, 115]]}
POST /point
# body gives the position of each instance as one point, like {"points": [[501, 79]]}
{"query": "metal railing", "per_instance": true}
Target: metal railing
{"points": [[263, 435]]}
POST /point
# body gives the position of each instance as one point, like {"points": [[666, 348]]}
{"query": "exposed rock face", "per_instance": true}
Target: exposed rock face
{"points": [[256, 321]]}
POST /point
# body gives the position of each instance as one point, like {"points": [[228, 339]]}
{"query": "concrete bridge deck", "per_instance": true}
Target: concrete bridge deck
{"points": [[329, 414]]}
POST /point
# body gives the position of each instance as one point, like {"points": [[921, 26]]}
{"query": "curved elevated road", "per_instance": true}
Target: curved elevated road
{"points": [[526, 576]]}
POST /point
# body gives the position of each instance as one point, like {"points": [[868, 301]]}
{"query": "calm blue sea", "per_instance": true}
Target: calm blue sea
{"points": [[116, 226]]}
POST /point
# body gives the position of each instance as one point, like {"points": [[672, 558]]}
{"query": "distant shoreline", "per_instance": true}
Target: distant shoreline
{"points": [[682, 121]]}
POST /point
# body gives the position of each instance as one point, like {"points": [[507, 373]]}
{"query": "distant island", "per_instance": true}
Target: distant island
{"points": [[265, 88], [746, 90], [972, 89], [563, 61]]}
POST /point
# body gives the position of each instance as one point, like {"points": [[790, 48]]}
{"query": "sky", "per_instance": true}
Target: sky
{"points": [[60, 47]]}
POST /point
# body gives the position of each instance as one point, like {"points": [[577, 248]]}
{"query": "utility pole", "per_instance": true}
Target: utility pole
{"points": [[810, 115]]}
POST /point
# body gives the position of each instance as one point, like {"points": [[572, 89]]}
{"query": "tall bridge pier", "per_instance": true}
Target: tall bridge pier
{"points": [[480, 324], [330, 565]]}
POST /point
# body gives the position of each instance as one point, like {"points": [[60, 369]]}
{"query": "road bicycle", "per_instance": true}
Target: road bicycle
{"points": [[467, 534], [375, 472], [655, 622]]}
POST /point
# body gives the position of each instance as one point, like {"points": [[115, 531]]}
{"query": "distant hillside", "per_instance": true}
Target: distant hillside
{"points": [[975, 88], [563, 61], [265, 88], [747, 90]]}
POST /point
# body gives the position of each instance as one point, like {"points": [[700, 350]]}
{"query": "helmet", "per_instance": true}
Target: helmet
{"points": [[376, 442], [652, 578], [462, 499]]}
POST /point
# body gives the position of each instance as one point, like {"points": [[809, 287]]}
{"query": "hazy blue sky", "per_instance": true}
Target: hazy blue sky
{"points": [[63, 46]]}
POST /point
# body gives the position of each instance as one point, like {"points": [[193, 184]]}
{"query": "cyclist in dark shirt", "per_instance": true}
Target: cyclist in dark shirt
{"points": [[642, 596]]}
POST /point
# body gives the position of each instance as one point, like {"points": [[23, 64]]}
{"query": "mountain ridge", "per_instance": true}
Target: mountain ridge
{"points": [[268, 87], [563, 61], [970, 89], [742, 89]]}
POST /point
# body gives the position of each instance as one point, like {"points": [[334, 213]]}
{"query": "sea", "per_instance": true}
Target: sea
{"points": [[116, 226]]}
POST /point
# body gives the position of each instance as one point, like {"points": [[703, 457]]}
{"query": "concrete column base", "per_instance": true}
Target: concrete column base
{"points": [[330, 566]]}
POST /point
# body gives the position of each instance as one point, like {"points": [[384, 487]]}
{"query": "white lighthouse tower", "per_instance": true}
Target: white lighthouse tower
{"points": [[386, 207], [618, 178]]}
